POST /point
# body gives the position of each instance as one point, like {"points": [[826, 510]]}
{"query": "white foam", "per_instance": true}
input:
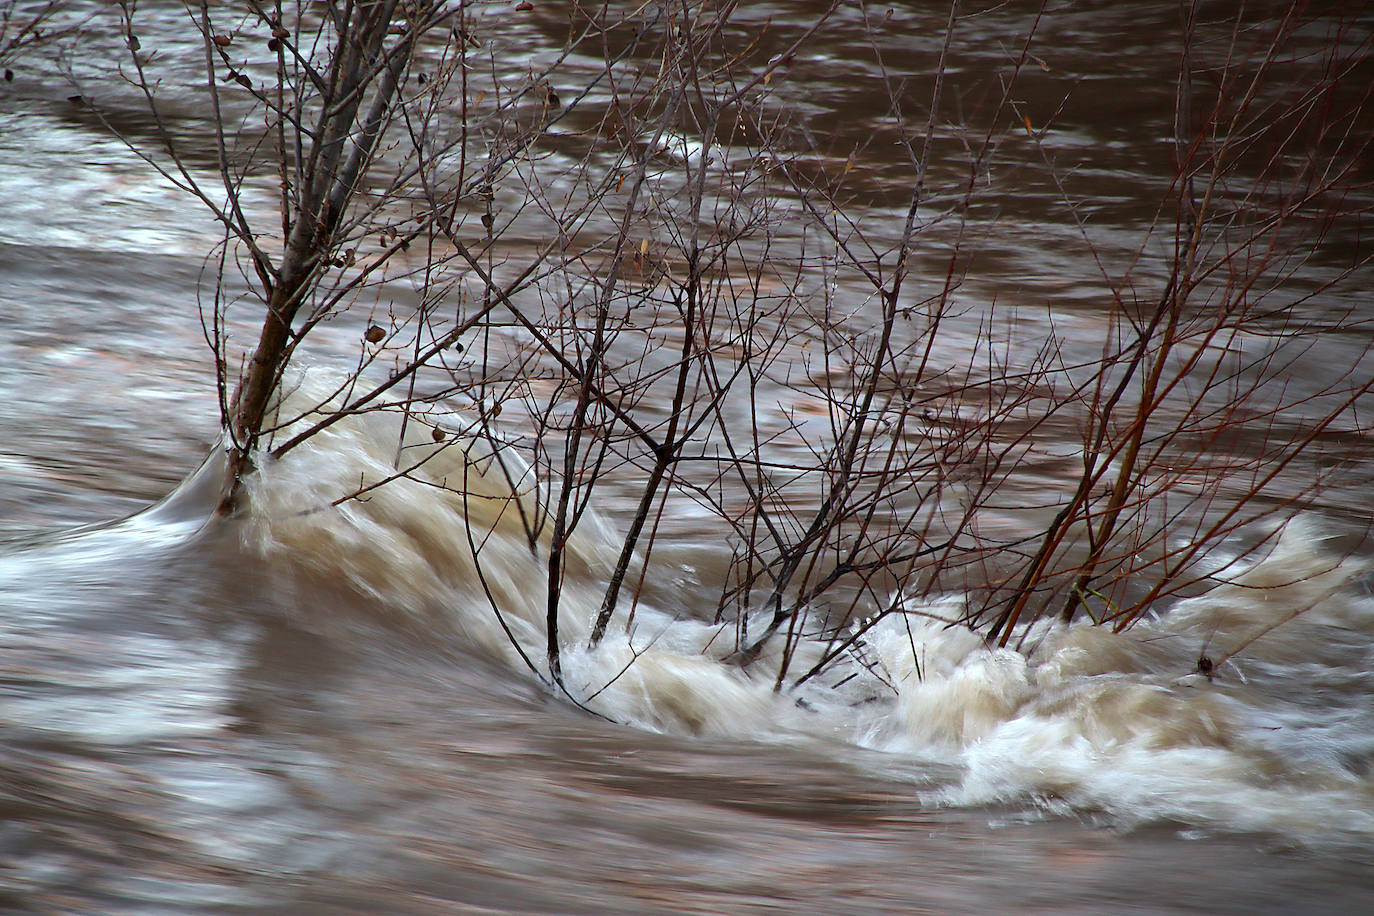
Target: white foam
{"points": [[1088, 720]]}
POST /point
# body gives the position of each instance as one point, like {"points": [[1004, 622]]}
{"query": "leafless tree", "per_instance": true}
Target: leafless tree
{"points": [[643, 278]]}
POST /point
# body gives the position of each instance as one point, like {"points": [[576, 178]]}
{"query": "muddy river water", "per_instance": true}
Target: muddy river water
{"points": [[315, 714]]}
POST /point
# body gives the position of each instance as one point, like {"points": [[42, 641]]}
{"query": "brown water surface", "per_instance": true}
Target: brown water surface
{"points": [[182, 733]]}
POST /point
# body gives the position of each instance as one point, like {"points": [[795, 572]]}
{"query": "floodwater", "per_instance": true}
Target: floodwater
{"points": [[315, 712]]}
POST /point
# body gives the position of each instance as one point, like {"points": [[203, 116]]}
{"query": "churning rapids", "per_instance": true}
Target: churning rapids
{"points": [[314, 709], [165, 736], [1082, 720]]}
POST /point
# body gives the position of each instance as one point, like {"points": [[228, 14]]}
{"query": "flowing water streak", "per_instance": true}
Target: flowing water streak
{"points": [[189, 726], [1084, 720]]}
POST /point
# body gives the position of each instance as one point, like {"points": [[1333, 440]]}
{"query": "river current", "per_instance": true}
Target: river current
{"points": [[314, 711]]}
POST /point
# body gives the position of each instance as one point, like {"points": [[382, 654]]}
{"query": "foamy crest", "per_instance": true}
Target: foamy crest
{"points": [[1084, 720], [440, 540], [1119, 723]]}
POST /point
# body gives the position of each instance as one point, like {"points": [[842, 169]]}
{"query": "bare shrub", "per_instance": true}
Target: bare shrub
{"points": [[645, 282]]}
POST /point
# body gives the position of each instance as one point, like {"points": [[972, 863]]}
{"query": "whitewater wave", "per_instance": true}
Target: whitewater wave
{"points": [[1279, 738]]}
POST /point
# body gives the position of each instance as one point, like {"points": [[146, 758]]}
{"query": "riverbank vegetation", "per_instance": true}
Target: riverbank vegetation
{"points": [[634, 268]]}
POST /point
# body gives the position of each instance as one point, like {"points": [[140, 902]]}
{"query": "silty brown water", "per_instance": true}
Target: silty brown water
{"points": [[184, 733]]}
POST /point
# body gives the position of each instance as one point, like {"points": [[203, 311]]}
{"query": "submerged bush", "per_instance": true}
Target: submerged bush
{"points": [[634, 274]]}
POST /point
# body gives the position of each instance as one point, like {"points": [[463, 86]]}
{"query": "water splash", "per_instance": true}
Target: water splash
{"points": [[1276, 739]]}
